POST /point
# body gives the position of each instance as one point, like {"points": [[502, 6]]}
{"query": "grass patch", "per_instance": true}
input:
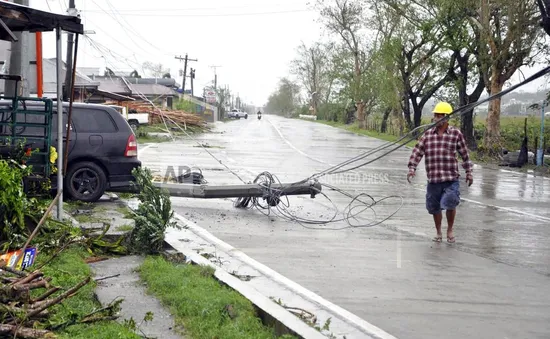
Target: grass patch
{"points": [[67, 270], [373, 134], [125, 228], [160, 128], [148, 139], [126, 195], [203, 306], [125, 211], [86, 218], [143, 134]]}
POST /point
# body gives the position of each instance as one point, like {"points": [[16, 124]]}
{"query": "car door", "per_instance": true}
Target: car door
{"points": [[55, 134], [96, 133]]}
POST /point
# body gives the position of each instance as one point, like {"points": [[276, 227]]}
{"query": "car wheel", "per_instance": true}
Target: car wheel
{"points": [[246, 116], [134, 125], [86, 182]]}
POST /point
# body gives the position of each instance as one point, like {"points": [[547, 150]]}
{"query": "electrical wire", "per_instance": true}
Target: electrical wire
{"points": [[166, 118], [275, 200], [358, 205]]}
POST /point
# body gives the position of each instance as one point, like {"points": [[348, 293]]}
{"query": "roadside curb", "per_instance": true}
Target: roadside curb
{"points": [[202, 248], [271, 312]]}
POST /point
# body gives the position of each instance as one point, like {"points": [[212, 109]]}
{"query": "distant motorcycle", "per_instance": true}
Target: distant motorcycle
{"points": [[259, 116]]}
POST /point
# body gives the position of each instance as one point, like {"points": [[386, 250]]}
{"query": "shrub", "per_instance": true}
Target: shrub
{"points": [[153, 216]]}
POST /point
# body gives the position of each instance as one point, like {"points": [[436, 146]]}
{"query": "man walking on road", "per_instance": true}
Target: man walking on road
{"points": [[439, 145]]}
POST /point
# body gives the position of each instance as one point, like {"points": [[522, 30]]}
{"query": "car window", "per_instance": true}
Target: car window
{"points": [[93, 121], [65, 119]]}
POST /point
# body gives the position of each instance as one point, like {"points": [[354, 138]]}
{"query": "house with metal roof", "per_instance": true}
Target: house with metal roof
{"points": [[159, 91]]}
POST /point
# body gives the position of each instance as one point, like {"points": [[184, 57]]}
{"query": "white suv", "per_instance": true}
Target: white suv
{"points": [[237, 114]]}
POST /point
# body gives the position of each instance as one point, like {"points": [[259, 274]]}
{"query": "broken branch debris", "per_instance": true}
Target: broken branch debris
{"points": [[19, 311]]}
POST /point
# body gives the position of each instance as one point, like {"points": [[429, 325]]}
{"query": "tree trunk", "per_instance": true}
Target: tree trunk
{"points": [[361, 115], [492, 127], [358, 100], [417, 109], [467, 128], [384, 125], [407, 112]]}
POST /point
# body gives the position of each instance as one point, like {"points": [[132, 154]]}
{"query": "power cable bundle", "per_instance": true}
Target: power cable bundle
{"points": [[358, 204], [276, 200]]}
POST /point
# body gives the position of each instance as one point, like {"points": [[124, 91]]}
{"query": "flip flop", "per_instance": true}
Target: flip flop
{"points": [[450, 240], [437, 239]]}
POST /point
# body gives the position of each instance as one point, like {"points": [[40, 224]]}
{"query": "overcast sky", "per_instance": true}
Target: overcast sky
{"points": [[252, 40]]}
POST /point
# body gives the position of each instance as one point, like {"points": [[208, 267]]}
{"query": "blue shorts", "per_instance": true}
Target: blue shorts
{"points": [[442, 196]]}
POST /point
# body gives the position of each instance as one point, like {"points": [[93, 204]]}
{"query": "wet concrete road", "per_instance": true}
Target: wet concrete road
{"points": [[494, 282]]}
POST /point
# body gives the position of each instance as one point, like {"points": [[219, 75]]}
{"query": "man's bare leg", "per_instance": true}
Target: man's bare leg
{"points": [[437, 219], [450, 222]]}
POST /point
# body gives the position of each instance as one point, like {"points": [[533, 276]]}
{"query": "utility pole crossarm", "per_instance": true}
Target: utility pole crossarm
{"points": [[185, 59]]}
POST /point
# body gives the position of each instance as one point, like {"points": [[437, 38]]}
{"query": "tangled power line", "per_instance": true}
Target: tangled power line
{"points": [[275, 200], [362, 202]]}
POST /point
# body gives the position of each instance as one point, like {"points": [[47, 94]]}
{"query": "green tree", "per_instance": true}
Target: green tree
{"points": [[285, 100], [312, 68], [346, 19], [510, 38]]}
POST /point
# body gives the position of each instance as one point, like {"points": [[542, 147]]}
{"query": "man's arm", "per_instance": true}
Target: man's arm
{"points": [[416, 156], [463, 151]]}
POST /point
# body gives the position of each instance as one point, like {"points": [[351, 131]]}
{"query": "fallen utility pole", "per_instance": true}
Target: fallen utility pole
{"points": [[239, 191]]}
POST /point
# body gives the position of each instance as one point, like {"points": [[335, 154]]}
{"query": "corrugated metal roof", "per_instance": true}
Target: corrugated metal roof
{"points": [[151, 89], [112, 84]]}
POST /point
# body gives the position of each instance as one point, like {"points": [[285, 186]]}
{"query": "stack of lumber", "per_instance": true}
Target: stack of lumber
{"points": [[156, 115]]}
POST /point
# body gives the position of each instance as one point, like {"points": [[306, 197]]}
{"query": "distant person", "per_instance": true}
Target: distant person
{"points": [[439, 146]]}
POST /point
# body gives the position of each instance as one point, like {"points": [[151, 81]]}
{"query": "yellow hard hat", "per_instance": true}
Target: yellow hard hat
{"points": [[443, 108]]}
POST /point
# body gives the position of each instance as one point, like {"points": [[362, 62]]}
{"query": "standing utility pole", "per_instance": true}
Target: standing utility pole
{"points": [[19, 60], [215, 77], [192, 76], [69, 66], [186, 59]]}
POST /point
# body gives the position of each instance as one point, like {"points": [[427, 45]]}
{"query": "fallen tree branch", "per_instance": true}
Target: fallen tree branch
{"points": [[23, 332], [45, 295], [58, 299], [35, 231], [107, 277], [14, 271], [29, 278]]}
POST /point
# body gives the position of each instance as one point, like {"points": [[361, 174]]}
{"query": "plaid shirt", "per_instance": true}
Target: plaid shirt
{"points": [[440, 152]]}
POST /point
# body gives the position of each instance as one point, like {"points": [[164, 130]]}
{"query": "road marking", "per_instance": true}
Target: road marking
{"points": [[345, 315], [535, 216], [296, 149]]}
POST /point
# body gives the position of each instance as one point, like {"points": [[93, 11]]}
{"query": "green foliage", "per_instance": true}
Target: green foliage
{"points": [[512, 132], [285, 100], [205, 308], [153, 216], [185, 105], [17, 211]]}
